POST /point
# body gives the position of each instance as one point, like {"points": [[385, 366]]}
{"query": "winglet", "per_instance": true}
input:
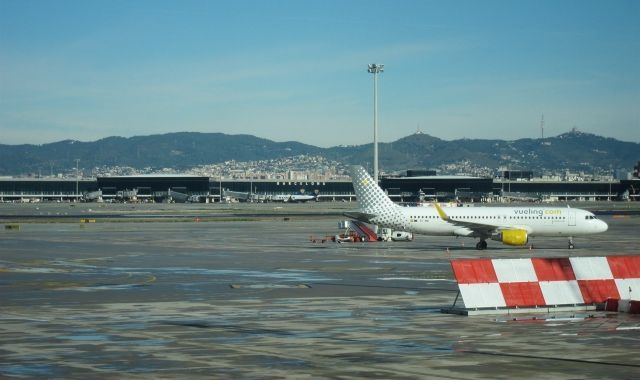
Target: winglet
{"points": [[440, 211]]}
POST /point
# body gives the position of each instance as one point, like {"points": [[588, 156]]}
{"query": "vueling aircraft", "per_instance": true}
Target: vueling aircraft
{"points": [[509, 225]]}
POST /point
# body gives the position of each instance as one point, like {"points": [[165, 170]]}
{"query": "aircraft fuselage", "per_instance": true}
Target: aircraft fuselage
{"points": [[537, 221]]}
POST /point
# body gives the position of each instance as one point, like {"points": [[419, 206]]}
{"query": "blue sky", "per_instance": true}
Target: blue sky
{"points": [[296, 70]]}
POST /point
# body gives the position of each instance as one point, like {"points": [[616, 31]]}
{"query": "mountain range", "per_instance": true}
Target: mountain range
{"points": [[572, 150]]}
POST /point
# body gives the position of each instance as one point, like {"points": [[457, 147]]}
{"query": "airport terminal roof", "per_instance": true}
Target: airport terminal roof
{"points": [[163, 175], [438, 177]]}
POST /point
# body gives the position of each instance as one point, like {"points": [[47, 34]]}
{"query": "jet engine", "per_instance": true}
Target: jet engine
{"points": [[512, 237]]}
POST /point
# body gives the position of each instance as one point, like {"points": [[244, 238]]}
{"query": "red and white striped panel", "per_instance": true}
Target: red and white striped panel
{"points": [[546, 281], [557, 281], [626, 273]]}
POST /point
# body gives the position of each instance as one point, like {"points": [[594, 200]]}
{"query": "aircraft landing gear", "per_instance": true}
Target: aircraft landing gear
{"points": [[571, 246], [482, 244]]}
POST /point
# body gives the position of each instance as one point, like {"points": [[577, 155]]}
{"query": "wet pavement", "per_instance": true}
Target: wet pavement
{"points": [[256, 299]]}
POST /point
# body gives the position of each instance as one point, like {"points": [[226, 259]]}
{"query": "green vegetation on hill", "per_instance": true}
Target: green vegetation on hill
{"points": [[573, 151]]}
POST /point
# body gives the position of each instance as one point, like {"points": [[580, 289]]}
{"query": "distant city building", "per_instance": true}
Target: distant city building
{"points": [[622, 174]]}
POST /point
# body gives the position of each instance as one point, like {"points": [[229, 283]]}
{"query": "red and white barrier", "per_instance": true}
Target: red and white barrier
{"points": [[537, 282], [623, 306]]}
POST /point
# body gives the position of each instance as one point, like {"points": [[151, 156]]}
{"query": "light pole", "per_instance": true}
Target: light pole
{"points": [[375, 69], [77, 161]]}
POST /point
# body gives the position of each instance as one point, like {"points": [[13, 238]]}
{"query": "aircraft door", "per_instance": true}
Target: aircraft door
{"points": [[572, 218]]}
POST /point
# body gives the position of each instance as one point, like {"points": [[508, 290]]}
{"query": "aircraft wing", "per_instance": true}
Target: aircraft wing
{"points": [[361, 216], [479, 228]]}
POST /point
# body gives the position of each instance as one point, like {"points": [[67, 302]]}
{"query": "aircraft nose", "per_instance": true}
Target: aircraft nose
{"points": [[602, 226]]}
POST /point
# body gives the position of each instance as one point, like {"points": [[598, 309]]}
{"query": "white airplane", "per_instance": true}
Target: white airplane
{"points": [[509, 225], [293, 198]]}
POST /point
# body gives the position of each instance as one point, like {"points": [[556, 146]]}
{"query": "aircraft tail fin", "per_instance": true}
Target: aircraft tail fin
{"points": [[370, 195]]}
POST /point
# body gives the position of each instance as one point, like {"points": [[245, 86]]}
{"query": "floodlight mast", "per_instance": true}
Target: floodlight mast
{"points": [[375, 69], [77, 195]]}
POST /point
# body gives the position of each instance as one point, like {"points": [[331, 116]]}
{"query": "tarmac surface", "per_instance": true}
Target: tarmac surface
{"points": [[242, 293]]}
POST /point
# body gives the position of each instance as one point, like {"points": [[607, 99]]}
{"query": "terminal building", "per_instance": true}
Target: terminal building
{"points": [[181, 188], [421, 188], [50, 189], [152, 187]]}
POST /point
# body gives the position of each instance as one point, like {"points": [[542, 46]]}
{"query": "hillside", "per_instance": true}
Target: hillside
{"points": [[573, 150], [173, 150]]}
